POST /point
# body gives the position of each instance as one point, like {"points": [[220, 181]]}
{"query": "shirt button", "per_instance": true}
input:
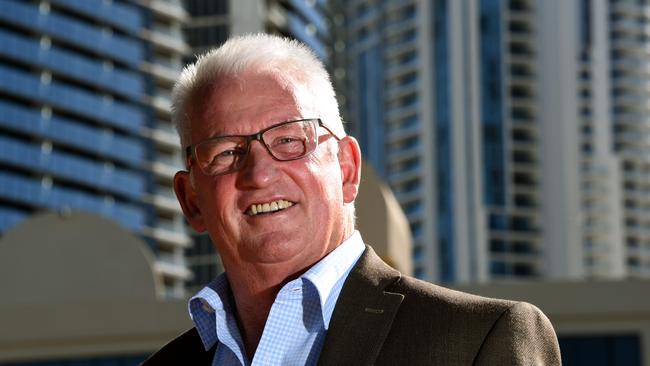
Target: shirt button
{"points": [[206, 307]]}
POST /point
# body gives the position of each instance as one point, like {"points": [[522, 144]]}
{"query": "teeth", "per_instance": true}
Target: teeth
{"points": [[268, 207]]}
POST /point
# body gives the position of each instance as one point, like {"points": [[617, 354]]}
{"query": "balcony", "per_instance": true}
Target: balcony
{"points": [[167, 238], [164, 138], [397, 178], [164, 203], [166, 8], [166, 41], [165, 73], [175, 271], [397, 134], [398, 156]]}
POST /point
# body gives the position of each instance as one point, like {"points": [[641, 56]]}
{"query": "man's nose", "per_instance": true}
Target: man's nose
{"points": [[260, 167]]}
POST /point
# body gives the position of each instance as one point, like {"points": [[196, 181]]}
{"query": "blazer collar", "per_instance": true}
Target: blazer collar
{"points": [[363, 314]]}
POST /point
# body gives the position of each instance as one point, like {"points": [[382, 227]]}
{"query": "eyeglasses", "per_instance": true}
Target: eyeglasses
{"points": [[285, 141]]}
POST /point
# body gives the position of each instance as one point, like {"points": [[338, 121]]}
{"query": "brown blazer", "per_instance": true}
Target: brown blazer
{"points": [[384, 318]]}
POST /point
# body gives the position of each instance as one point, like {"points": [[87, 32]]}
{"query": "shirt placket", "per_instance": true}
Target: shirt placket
{"points": [[282, 325]]}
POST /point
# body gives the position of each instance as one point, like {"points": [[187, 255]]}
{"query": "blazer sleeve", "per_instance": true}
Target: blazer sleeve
{"points": [[522, 335]]}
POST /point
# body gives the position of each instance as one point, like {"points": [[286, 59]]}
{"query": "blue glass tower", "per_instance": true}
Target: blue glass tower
{"points": [[513, 139], [84, 116], [399, 99], [70, 111], [427, 96]]}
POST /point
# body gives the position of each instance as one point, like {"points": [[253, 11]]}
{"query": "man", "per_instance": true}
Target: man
{"points": [[272, 177]]}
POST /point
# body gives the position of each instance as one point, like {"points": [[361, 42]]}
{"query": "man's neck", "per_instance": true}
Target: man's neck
{"points": [[254, 291], [252, 312], [254, 288]]}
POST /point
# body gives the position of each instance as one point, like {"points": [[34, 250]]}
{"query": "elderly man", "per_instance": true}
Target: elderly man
{"points": [[272, 177]]}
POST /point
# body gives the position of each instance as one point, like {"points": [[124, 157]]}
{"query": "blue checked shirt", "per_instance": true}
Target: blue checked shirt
{"points": [[297, 323]]}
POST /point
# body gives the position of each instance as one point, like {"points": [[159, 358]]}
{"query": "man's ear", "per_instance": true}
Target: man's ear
{"points": [[188, 199], [350, 163]]}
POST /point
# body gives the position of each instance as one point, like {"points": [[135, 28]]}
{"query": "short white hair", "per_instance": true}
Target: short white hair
{"points": [[289, 60]]}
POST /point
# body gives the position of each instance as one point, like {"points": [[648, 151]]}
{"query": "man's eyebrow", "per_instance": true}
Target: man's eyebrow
{"points": [[221, 133], [225, 134], [275, 121]]}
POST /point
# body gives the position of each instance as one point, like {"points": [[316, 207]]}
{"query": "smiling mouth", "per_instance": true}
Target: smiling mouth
{"points": [[262, 208]]}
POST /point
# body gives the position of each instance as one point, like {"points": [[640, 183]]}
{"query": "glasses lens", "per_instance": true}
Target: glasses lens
{"points": [[219, 156], [291, 141], [286, 141]]}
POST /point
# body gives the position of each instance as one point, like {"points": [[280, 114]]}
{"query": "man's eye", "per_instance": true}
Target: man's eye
{"points": [[230, 153], [227, 153], [287, 140]]}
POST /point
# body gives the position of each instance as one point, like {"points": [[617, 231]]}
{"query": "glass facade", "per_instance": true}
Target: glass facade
{"points": [[629, 37], [492, 103], [606, 350], [84, 116], [383, 103], [371, 133], [71, 111], [210, 25], [555, 138], [433, 152], [305, 20], [443, 142], [96, 361]]}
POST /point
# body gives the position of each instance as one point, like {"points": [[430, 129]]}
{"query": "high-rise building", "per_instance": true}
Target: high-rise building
{"points": [[412, 97], [616, 123], [214, 21], [84, 116], [165, 49], [512, 131], [602, 223]]}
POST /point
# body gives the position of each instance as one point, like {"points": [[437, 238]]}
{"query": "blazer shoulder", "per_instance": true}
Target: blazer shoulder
{"points": [[457, 301], [187, 348], [523, 335], [489, 331], [371, 275], [426, 292], [419, 323]]}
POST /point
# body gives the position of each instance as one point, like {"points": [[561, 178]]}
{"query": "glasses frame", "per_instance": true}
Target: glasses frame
{"points": [[190, 150]]}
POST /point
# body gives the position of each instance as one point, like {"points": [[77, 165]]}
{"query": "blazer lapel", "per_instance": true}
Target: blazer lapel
{"points": [[199, 356], [186, 349], [363, 314]]}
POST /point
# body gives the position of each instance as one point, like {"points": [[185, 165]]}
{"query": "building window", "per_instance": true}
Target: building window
{"points": [[601, 350], [97, 361], [203, 261]]}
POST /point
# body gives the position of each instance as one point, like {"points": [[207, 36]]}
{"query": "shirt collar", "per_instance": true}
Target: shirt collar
{"points": [[328, 275], [211, 309]]}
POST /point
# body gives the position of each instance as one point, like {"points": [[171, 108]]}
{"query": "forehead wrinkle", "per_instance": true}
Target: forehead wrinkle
{"points": [[225, 110]]}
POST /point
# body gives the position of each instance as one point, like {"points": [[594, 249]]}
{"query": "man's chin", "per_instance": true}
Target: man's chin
{"points": [[273, 248]]}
